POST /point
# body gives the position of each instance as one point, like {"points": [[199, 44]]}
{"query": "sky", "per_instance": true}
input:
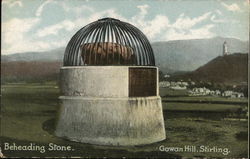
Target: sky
{"points": [[41, 25]]}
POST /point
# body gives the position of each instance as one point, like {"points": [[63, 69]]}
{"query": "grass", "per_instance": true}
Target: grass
{"points": [[207, 98], [191, 131], [171, 92], [29, 110], [200, 107], [170, 95]]}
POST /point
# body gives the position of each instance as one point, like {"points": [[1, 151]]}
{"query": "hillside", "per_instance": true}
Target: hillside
{"points": [[37, 71], [51, 55], [170, 56], [188, 55], [232, 68]]}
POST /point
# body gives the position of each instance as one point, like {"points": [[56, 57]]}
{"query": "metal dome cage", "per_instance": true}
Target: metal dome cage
{"points": [[109, 41]]}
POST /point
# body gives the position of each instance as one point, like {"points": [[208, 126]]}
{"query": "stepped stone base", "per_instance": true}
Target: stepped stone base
{"points": [[122, 121]]}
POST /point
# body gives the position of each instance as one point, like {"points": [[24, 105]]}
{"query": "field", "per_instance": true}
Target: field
{"points": [[28, 114]]}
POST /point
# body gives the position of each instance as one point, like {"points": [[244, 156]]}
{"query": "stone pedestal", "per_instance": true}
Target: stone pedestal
{"points": [[96, 108]]}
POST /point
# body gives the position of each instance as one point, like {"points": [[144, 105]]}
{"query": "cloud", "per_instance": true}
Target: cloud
{"points": [[54, 29], [233, 7], [143, 9], [15, 34], [72, 25], [102, 14], [19, 36], [218, 12], [216, 20], [203, 32], [199, 33], [189, 28], [12, 3], [218, 17], [76, 10], [151, 27], [155, 26], [139, 18], [246, 3], [14, 29], [40, 8], [185, 22], [184, 27]]}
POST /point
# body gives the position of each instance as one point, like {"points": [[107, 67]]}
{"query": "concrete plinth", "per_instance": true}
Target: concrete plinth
{"points": [[91, 112]]}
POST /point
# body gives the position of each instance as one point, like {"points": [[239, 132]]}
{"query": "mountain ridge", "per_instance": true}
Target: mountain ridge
{"points": [[170, 56]]}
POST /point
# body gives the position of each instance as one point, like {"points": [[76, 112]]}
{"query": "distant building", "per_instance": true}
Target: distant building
{"points": [[164, 84], [217, 92], [167, 76], [178, 87], [174, 85], [192, 83], [232, 94], [199, 91], [225, 49], [227, 93]]}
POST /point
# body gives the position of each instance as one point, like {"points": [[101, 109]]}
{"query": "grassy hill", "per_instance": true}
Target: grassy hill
{"points": [[231, 68]]}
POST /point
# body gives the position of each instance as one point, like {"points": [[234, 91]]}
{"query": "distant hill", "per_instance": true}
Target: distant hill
{"points": [[188, 55], [223, 69], [171, 56], [52, 55]]}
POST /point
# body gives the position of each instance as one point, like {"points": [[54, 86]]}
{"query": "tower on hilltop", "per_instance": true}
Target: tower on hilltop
{"points": [[225, 49]]}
